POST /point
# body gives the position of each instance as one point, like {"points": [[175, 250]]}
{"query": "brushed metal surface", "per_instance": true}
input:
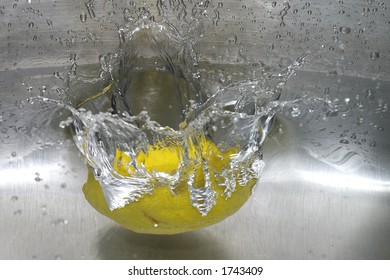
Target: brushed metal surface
{"points": [[325, 191]]}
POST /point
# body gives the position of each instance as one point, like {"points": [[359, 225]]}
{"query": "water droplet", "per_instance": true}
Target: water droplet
{"points": [[14, 198], [295, 112], [31, 25], [49, 22], [374, 55], [316, 144], [344, 141], [98, 172], [58, 257], [232, 39], [373, 144], [332, 73], [44, 210], [37, 178], [370, 95], [273, 4], [59, 222], [327, 91], [345, 30], [63, 185], [13, 154], [18, 212], [83, 17]]}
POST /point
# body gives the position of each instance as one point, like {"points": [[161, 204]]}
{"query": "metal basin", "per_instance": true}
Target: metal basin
{"points": [[325, 191]]}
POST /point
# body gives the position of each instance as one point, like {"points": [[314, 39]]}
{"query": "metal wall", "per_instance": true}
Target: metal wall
{"points": [[325, 192]]}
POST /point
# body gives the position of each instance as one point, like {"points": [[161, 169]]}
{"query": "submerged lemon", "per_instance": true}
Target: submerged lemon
{"points": [[165, 212]]}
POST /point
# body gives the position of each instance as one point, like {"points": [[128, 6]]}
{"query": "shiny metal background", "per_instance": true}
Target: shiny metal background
{"points": [[325, 192]]}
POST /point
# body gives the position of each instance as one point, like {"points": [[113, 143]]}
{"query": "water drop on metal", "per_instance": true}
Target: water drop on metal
{"points": [[83, 17], [374, 55], [345, 30]]}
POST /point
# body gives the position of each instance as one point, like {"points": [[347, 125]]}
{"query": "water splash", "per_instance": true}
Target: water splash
{"points": [[152, 97]]}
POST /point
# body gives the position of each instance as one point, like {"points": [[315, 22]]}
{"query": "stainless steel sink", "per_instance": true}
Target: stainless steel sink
{"points": [[325, 191]]}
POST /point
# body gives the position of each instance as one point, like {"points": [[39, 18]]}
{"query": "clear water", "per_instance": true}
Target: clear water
{"points": [[151, 92]]}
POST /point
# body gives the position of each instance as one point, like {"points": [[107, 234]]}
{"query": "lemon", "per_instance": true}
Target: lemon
{"points": [[165, 212]]}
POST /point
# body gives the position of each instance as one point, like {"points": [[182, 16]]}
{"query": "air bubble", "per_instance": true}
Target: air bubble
{"points": [[31, 25]]}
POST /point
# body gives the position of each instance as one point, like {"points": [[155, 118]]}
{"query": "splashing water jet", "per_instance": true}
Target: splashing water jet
{"points": [[165, 152]]}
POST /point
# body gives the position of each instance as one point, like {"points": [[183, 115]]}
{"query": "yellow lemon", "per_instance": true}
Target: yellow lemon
{"points": [[165, 212]]}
